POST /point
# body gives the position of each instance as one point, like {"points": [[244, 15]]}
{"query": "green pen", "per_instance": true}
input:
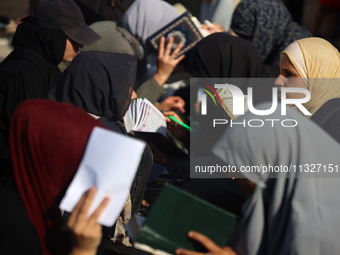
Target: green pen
{"points": [[181, 123]]}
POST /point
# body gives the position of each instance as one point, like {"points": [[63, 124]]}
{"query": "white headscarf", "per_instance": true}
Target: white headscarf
{"points": [[287, 213], [316, 59], [295, 54], [145, 17]]}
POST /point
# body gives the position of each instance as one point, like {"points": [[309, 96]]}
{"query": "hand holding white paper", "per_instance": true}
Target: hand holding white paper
{"points": [[109, 163]]}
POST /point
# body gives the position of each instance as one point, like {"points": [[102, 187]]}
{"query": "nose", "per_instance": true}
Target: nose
{"points": [[134, 95], [279, 81], [77, 46]]}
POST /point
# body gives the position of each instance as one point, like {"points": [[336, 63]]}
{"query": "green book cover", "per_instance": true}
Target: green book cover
{"points": [[175, 213]]}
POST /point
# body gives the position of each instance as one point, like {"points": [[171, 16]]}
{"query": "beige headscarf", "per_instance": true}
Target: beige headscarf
{"points": [[318, 62]]}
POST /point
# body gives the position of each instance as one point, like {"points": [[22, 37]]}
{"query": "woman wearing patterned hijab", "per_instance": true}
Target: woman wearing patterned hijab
{"points": [[317, 62], [268, 25]]}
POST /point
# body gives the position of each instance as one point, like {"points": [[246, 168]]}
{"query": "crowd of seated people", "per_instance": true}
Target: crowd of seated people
{"points": [[47, 114]]}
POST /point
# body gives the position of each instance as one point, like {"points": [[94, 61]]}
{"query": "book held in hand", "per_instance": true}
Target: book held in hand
{"points": [[182, 29], [145, 121], [144, 116], [177, 212]]}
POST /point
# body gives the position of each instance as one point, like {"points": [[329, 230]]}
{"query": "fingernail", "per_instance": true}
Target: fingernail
{"points": [[191, 233]]}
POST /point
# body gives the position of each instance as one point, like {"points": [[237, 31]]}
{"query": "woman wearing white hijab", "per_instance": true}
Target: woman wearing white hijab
{"points": [[141, 20], [317, 62], [293, 212]]}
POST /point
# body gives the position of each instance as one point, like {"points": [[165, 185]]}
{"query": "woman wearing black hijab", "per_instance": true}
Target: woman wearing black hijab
{"points": [[54, 31], [101, 83], [225, 56], [221, 55]]}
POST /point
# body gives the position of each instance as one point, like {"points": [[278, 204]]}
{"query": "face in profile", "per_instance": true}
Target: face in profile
{"points": [[133, 95], [289, 77], [71, 50]]}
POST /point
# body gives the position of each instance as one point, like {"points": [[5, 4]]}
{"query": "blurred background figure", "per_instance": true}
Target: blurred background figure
{"points": [[268, 25], [54, 31], [325, 18], [218, 11]]}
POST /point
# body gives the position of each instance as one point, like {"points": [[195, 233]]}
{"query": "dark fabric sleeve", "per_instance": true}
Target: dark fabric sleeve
{"points": [[113, 125], [17, 83], [178, 167], [150, 90], [332, 126], [17, 234], [328, 118]]}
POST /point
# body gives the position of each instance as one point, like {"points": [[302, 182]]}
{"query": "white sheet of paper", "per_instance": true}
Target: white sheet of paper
{"points": [[109, 163]]}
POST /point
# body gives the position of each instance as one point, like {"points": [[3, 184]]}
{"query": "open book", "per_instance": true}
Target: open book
{"points": [[174, 214], [148, 123], [144, 116]]}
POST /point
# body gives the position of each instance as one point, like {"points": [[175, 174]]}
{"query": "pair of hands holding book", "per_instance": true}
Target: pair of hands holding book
{"points": [[212, 248]]}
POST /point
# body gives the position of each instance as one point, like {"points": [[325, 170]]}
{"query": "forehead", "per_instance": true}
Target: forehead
{"points": [[285, 62]]}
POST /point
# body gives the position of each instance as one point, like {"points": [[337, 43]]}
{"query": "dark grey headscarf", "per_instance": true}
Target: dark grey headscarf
{"points": [[288, 213], [101, 83]]}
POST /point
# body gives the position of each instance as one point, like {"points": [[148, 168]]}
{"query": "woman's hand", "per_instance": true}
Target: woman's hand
{"points": [[167, 61], [159, 156], [174, 128], [86, 233], [171, 103], [212, 248]]}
